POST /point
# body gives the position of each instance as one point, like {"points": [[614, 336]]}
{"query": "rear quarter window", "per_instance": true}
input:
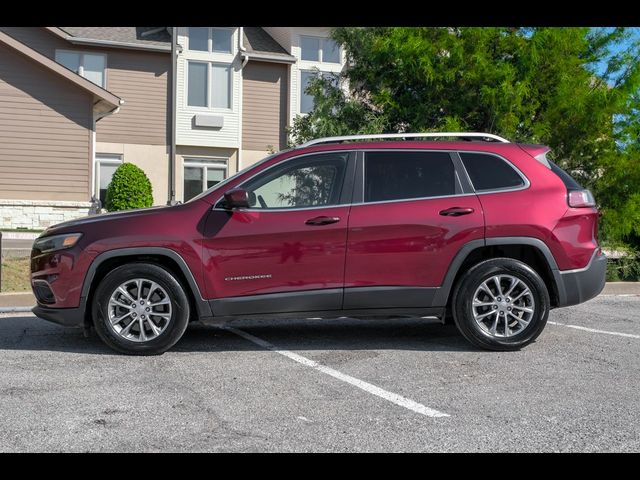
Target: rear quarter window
{"points": [[567, 179], [488, 172]]}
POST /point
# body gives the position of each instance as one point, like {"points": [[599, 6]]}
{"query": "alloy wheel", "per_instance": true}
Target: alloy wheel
{"points": [[139, 310], [503, 306]]}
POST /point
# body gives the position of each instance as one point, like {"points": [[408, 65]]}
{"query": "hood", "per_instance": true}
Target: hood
{"points": [[104, 217]]}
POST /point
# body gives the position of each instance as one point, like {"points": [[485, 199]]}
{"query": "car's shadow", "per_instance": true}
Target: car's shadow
{"points": [[28, 333]]}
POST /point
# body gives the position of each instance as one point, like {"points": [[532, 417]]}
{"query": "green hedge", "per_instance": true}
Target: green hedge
{"points": [[129, 188]]}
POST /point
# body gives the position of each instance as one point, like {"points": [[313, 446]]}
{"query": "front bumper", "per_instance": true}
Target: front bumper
{"points": [[578, 286], [67, 317]]}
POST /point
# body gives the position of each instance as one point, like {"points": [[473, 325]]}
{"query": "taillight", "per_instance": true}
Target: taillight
{"points": [[580, 198]]}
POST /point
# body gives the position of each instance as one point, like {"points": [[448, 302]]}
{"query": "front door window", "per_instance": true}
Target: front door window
{"points": [[311, 181]]}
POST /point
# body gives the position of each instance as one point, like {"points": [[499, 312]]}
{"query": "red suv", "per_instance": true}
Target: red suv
{"points": [[489, 232]]}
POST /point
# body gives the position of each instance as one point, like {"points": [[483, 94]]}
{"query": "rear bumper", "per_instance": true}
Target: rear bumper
{"points": [[67, 317], [578, 286]]}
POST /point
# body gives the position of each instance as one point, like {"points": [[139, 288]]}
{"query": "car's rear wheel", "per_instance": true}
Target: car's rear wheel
{"points": [[501, 304], [140, 309]]}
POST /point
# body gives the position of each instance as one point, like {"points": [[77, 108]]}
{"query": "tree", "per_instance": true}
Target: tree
{"points": [[129, 188], [531, 85]]}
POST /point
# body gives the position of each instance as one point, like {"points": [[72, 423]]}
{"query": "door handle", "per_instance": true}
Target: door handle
{"points": [[456, 211], [322, 220]]}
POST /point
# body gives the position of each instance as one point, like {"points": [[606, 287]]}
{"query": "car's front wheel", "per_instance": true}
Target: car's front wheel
{"points": [[501, 304], [140, 309]]}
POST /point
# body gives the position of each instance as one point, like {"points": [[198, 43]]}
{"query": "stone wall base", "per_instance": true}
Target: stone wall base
{"points": [[39, 214]]}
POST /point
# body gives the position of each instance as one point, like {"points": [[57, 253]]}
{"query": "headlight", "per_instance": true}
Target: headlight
{"points": [[56, 242]]}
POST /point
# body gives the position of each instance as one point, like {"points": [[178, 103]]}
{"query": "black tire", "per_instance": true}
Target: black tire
{"points": [[471, 280], [178, 321]]}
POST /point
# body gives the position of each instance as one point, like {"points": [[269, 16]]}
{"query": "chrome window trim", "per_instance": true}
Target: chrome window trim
{"points": [[412, 199], [282, 210], [526, 185], [277, 164], [524, 178]]}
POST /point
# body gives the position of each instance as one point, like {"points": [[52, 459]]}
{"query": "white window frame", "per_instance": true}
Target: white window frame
{"points": [[107, 159], [217, 163], [209, 106], [81, 63], [321, 41], [210, 41]]}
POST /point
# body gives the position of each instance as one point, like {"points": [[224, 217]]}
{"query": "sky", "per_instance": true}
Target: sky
{"points": [[601, 67]]}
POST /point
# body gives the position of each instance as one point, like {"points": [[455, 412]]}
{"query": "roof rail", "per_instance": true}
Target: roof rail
{"points": [[380, 136]]}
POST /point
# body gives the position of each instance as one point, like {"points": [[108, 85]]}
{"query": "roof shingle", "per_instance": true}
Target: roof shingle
{"points": [[122, 34], [258, 41]]}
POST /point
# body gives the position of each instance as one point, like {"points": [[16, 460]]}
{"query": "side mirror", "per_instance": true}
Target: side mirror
{"points": [[236, 198]]}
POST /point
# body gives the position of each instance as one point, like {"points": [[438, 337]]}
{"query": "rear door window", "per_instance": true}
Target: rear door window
{"points": [[393, 175], [488, 172]]}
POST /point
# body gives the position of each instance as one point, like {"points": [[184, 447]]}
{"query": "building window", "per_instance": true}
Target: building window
{"points": [[209, 85], [201, 174], [105, 166], [199, 39], [330, 51], [316, 49], [306, 100], [197, 84], [210, 39], [310, 48], [91, 66], [221, 40]]}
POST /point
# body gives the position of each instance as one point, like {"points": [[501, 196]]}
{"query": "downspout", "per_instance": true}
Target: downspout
{"points": [[172, 147], [242, 48], [245, 59]]}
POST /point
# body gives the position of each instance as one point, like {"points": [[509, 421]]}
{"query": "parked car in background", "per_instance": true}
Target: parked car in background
{"points": [[488, 232]]}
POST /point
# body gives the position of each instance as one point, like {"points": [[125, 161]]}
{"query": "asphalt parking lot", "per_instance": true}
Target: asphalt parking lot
{"points": [[333, 385]]}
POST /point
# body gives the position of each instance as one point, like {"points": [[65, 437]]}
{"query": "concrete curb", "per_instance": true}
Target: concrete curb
{"points": [[15, 309], [20, 235], [621, 288], [13, 300]]}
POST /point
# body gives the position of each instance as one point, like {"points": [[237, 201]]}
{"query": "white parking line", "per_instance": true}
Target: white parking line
{"points": [[367, 387], [593, 330]]}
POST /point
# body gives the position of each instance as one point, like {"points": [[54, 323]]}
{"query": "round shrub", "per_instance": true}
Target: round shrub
{"points": [[129, 188]]}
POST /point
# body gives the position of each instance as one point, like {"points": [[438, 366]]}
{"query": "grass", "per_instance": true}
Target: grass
{"points": [[15, 275]]}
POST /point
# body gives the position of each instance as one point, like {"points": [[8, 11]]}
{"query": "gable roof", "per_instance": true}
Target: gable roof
{"points": [[104, 100], [260, 45], [147, 38]]}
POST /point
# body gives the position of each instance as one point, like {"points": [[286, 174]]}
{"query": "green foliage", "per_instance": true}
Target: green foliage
{"points": [[129, 188], [625, 268], [531, 85]]}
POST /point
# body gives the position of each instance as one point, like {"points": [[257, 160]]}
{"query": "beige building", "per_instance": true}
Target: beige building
{"points": [[75, 102]]}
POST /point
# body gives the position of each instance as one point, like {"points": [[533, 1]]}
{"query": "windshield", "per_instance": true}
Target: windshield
{"points": [[227, 180]]}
